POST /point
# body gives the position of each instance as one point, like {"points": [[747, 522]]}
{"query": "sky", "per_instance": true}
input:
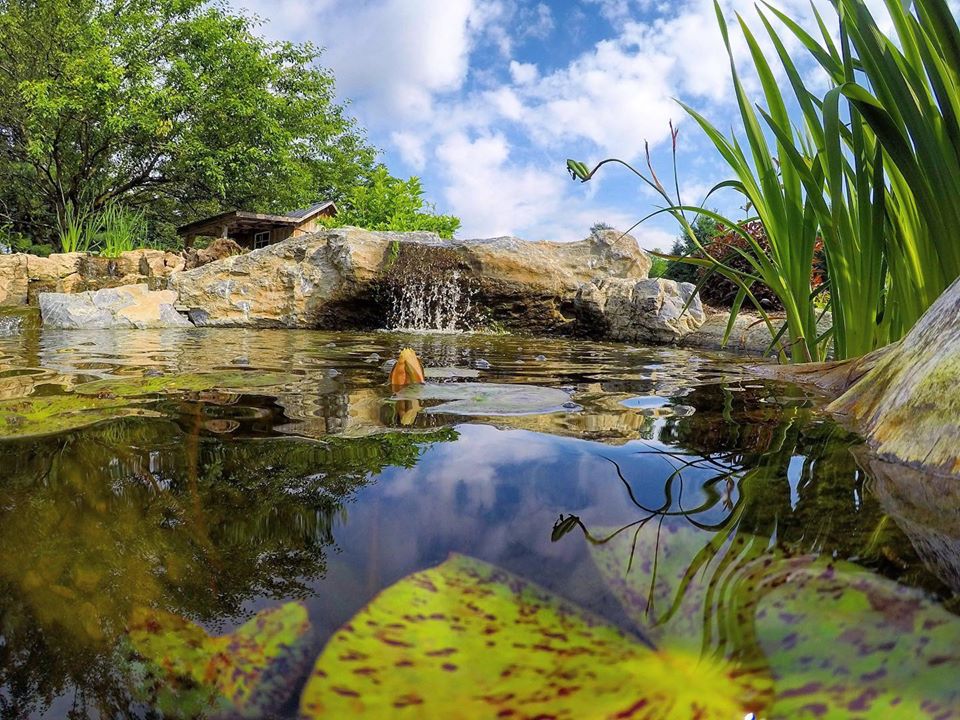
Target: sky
{"points": [[486, 99]]}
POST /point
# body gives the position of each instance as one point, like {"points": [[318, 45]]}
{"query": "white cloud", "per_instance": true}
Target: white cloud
{"points": [[410, 146], [523, 73]]}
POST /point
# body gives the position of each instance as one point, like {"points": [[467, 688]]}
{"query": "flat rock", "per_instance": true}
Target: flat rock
{"points": [[132, 306]]}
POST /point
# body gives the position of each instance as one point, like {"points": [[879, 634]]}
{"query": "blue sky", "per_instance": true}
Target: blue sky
{"points": [[485, 99]]}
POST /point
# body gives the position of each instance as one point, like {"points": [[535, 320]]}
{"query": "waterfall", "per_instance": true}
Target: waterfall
{"points": [[426, 291]]}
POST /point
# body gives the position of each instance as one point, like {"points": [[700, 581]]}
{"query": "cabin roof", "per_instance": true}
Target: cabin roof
{"points": [[242, 220]]}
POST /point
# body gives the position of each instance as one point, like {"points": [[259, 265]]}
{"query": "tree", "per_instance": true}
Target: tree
{"points": [[175, 106], [389, 203], [705, 229]]}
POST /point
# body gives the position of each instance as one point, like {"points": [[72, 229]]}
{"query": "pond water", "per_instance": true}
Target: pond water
{"points": [[245, 472]]}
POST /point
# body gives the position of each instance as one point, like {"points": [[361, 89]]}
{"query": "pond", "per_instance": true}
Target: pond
{"points": [[219, 523]]}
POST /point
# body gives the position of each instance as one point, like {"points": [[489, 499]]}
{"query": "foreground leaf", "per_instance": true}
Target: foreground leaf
{"points": [[248, 673], [838, 640], [467, 640]]}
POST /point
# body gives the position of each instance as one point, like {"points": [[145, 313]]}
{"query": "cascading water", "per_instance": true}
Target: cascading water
{"points": [[426, 291]]}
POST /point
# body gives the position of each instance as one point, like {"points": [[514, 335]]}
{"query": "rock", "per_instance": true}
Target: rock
{"points": [[335, 278], [749, 335], [133, 306], [219, 249], [13, 279], [652, 310], [907, 405]]}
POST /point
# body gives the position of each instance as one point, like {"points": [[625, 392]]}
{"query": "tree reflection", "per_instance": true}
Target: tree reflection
{"points": [[139, 513]]}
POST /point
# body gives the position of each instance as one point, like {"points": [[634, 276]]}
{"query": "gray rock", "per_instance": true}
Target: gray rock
{"points": [[748, 336], [131, 306], [652, 310]]}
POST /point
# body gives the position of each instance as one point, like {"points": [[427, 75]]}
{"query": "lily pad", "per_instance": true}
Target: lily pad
{"points": [[466, 639], [489, 399], [839, 641], [449, 373], [37, 416], [190, 382], [249, 673]]}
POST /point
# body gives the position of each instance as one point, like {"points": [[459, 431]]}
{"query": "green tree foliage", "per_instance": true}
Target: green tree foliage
{"points": [[389, 203], [704, 230], [174, 106]]}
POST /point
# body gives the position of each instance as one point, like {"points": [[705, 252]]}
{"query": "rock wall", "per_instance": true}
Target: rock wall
{"points": [[332, 279], [24, 277]]}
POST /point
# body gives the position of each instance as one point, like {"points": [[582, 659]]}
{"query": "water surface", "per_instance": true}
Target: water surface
{"points": [[215, 505]]}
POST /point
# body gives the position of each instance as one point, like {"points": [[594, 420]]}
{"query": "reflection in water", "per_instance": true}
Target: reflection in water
{"points": [[220, 502], [97, 525]]}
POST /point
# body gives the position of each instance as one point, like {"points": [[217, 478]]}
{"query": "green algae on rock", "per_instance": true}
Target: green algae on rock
{"points": [[36, 416], [239, 381], [466, 639]]}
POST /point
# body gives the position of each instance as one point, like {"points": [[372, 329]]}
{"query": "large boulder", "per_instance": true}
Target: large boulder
{"points": [[907, 404], [131, 306], [339, 278], [650, 310]]}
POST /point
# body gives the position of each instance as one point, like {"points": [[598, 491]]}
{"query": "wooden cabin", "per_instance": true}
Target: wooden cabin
{"points": [[255, 230]]}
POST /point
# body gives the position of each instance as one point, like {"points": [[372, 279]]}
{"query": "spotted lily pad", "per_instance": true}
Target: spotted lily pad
{"points": [[250, 673], [489, 398], [466, 639], [188, 382], [839, 641]]}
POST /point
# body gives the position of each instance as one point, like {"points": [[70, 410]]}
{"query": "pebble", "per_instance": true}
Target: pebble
{"points": [[332, 373], [388, 365], [482, 365], [241, 360], [570, 405], [153, 372], [331, 344], [372, 358], [540, 358]]}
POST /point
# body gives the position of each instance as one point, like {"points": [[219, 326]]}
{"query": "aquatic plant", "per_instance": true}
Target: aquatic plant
{"points": [[873, 171], [120, 230], [182, 671], [75, 229], [407, 370], [467, 639]]}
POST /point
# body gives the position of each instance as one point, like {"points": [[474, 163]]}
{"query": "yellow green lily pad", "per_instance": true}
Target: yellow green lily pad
{"points": [[250, 673], [839, 641], [37, 416], [468, 640], [187, 382]]}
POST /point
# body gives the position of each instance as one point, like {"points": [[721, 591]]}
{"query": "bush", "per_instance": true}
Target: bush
{"points": [[718, 291]]}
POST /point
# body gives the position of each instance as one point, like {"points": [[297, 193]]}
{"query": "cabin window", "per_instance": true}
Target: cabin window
{"points": [[261, 239]]}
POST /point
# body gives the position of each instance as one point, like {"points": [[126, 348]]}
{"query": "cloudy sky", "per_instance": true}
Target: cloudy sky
{"points": [[486, 99]]}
